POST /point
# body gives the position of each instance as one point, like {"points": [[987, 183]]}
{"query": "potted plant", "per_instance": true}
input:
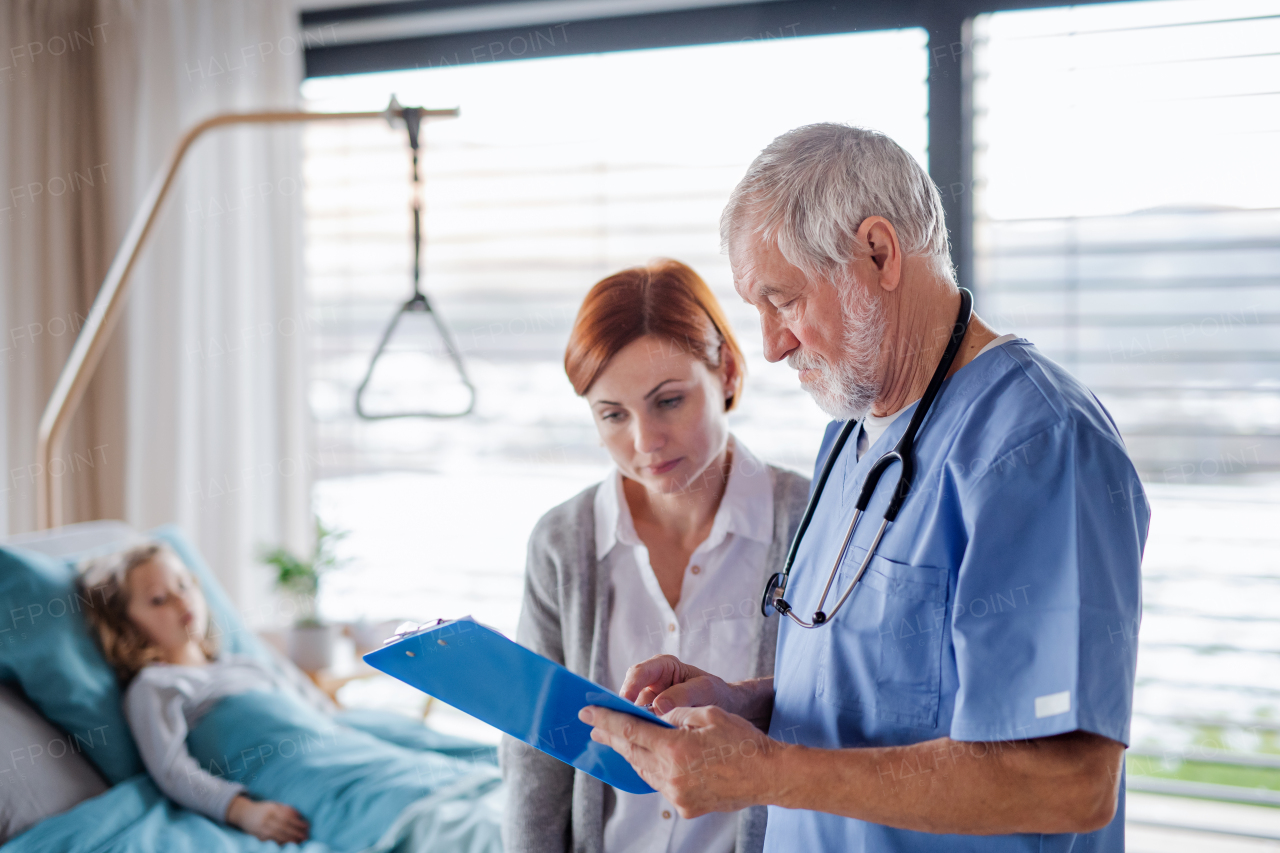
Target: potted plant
{"points": [[310, 640]]}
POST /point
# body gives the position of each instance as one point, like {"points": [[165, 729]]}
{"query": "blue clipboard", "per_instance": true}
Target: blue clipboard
{"points": [[535, 700]]}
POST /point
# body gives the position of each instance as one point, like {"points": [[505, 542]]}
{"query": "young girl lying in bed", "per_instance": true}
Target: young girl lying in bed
{"points": [[228, 736]]}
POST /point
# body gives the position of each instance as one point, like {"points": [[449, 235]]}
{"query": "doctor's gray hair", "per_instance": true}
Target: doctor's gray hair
{"points": [[809, 190]]}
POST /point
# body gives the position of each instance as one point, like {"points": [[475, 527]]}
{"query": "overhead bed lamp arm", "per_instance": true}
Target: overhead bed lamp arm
{"points": [[107, 305]]}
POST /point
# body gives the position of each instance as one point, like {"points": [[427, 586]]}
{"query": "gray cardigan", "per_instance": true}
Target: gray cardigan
{"points": [[565, 617]]}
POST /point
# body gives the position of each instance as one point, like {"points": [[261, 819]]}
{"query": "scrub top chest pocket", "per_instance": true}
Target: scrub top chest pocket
{"points": [[891, 638]]}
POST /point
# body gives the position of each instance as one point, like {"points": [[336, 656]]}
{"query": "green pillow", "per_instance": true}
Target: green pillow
{"points": [[47, 649]]}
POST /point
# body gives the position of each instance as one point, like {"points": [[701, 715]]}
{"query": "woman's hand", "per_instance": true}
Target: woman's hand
{"points": [[268, 821], [665, 682]]}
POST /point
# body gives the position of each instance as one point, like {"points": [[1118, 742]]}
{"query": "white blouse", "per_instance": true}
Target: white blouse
{"points": [[711, 627]]}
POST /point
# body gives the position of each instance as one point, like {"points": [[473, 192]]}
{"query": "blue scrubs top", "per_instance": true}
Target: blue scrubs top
{"points": [[1002, 604]]}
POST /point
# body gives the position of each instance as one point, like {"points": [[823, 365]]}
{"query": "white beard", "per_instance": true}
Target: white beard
{"points": [[847, 389]]}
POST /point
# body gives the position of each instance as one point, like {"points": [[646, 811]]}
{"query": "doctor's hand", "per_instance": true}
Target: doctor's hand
{"points": [[713, 761], [667, 683]]}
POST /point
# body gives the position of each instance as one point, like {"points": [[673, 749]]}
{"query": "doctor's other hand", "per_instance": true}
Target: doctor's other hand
{"points": [[713, 761], [267, 820], [666, 683]]}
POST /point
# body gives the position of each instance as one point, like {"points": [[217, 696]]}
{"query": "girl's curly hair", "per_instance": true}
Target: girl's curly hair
{"points": [[104, 583]]}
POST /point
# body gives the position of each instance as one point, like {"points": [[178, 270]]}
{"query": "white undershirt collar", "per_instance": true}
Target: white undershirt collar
{"points": [[875, 427]]}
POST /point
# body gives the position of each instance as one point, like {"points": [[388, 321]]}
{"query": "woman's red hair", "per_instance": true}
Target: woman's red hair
{"points": [[666, 299]]}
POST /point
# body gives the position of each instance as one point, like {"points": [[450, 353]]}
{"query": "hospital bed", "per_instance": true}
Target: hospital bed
{"points": [[70, 776]]}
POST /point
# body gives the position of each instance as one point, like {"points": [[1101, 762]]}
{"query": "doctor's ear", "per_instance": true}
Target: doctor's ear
{"points": [[883, 249]]}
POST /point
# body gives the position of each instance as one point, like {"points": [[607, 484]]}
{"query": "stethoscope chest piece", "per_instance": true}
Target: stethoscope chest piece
{"points": [[773, 602]]}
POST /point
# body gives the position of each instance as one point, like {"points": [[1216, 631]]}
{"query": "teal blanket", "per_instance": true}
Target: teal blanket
{"points": [[371, 783], [134, 817], [350, 785]]}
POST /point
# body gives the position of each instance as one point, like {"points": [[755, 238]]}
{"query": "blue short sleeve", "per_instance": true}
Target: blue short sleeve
{"points": [[1047, 600]]}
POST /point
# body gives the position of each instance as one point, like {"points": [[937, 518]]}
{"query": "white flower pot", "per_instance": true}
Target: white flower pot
{"points": [[311, 646]]}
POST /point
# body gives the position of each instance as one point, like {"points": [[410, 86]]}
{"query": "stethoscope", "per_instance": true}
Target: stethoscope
{"points": [[776, 587]]}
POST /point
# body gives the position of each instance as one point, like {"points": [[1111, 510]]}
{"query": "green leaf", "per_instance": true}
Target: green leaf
{"points": [[301, 578]]}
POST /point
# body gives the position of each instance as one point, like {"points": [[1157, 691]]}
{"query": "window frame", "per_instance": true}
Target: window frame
{"points": [[948, 23]]}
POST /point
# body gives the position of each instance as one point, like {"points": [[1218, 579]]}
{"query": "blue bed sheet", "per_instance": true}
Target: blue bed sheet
{"points": [[367, 781]]}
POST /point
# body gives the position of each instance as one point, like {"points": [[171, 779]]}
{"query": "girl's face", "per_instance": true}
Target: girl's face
{"points": [[165, 604], [660, 413]]}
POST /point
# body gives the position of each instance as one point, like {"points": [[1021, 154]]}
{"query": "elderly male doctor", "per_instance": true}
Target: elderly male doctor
{"points": [[974, 690]]}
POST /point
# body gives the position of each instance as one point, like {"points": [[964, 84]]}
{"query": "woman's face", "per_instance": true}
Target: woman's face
{"points": [[660, 412], [166, 604]]}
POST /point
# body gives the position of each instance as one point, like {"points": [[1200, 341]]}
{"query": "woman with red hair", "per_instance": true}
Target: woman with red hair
{"points": [[667, 556]]}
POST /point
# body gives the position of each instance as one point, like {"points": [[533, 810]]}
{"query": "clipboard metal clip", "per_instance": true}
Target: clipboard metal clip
{"points": [[408, 629]]}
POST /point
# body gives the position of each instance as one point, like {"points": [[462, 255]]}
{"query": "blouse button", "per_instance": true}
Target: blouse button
{"points": [[671, 626], [666, 815], [696, 569]]}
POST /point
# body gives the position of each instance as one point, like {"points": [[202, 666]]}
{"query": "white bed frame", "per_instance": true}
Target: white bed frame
{"points": [[85, 537]]}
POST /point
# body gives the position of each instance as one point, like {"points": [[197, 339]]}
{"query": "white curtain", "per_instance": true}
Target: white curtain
{"points": [[197, 414]]}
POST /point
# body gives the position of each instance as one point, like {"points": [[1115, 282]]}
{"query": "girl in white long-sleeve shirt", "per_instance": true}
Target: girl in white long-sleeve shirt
{"points": [[152, 622]]}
